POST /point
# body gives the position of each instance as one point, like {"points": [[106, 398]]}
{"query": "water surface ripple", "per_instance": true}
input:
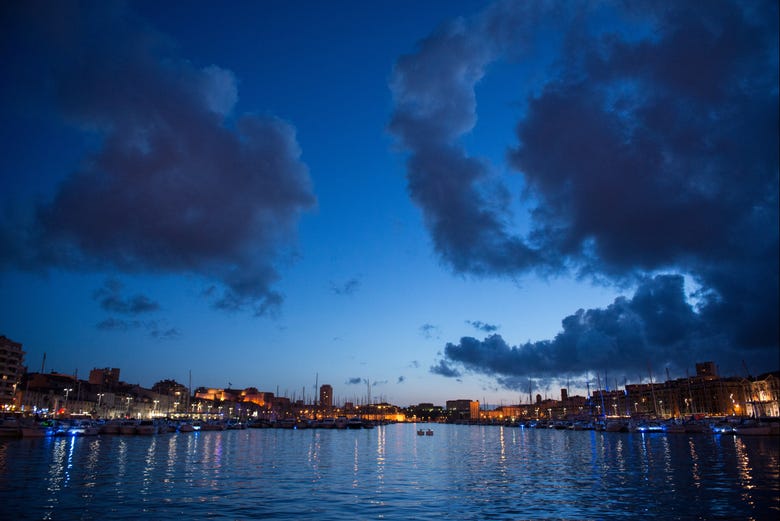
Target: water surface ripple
{"points": [[462, 472]]}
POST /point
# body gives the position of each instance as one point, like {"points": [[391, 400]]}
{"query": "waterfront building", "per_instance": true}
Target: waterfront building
{"points": [[11, 370], [462, 409], [107, 377], [326, 396], [381, 412], [425, 412]]}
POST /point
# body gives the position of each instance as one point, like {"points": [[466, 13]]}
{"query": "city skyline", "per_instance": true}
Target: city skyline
{"points": [[442, 199], [318, 392]]}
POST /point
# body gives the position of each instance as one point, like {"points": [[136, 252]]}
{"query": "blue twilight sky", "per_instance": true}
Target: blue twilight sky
{"points": [[436, 200]]}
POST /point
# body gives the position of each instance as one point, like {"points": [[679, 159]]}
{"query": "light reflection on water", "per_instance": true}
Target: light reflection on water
{"points": [[462, 472]]}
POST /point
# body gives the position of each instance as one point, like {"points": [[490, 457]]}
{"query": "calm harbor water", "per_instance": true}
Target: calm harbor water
{"points": [[462, 472]]}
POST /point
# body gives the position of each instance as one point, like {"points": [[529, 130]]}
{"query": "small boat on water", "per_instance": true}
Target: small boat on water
{"points": [[754, 428], [722, 428], [429, 432], [83, 428], [354, 423], [213, 425], [35, 429], [9, 427], [127, 427], [616, 426], [673, 427], [146, 427], [187, 426], [420, 432], [109, 427], [649, 426]]}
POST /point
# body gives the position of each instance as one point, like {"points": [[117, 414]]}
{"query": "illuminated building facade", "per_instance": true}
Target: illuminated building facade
{"points": [[326, 396], [11, 369]]}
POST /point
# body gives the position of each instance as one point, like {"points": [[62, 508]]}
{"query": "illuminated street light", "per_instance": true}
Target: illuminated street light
{"points": [[67, 391]]}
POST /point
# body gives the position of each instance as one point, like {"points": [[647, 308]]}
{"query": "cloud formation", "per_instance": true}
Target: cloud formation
{"points": [[645, 145], [153, 328], [429, 331], [349, 287], [110, 298], [175, 181], [482, 326], [657, 327]]}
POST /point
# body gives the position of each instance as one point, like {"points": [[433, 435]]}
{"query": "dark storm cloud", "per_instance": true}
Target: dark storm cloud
{"points": [[445, 369], [154, 328], [118, 324], [481, 326], [110, 298], [656, 327], [649, 146], [175, 182]]}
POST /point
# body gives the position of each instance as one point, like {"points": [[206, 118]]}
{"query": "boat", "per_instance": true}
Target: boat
{"points": [[186, 426], [109, 427], [693, 427], [354, 423], [752, 428], [127, 427], [429, 432], [648, 426], [420, 432], [83, 428], [581, 425], [341, 422], [616, 426], [328, 423], [213, 425], [722, 428], [286, 423], [34, 429], [674, 428], [9, 427], [146, 427]]}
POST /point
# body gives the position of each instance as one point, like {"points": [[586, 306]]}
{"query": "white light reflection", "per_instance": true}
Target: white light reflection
{"points": [[502, 463], [668, 466], [745, 471], [315, 448], [694, 464], [121, 467], [355, 466], [170, 463], [380, 455]]}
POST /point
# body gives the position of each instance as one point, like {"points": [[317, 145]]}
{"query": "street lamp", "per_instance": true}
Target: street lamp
{"points": [[67, 391]]}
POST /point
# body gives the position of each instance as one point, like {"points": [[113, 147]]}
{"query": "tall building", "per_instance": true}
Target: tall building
{"points": [[107, 377], [11, 357], [326, 396], [707, 370]]}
